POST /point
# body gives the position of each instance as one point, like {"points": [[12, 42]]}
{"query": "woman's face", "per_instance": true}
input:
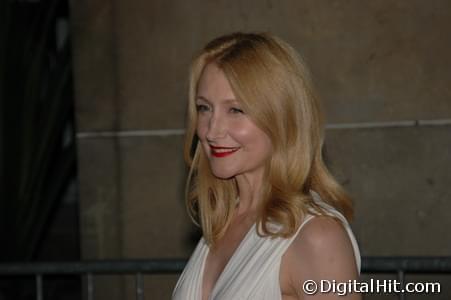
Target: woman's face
{"points": [[233, 144]]}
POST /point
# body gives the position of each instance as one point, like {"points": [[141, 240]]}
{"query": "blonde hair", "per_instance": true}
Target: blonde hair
{"points": [[275, 89]]}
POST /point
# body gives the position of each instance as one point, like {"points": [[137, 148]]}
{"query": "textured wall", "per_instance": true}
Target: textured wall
{"points": [[373, 61]]}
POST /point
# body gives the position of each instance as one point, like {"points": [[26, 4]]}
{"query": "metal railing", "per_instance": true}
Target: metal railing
{"points": [[88, 269]]}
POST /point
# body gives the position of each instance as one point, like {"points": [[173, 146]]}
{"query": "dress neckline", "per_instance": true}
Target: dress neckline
{"points": [[233, 257]]}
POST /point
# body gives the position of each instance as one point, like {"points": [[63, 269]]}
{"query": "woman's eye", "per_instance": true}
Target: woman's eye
{"points": [[201, 107], [236, 110]]}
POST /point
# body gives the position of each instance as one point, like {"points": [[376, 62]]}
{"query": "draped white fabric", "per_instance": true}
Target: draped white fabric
{"points": [[253, 270]]}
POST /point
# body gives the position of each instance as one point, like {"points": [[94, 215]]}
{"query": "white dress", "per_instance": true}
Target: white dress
{"points": [[253, 270]]}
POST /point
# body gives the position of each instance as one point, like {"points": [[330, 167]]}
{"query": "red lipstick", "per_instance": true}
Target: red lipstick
{"points": [[222, 151]]}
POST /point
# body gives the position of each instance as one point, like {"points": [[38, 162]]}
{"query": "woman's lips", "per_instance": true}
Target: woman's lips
{"points": [[222, 152]]}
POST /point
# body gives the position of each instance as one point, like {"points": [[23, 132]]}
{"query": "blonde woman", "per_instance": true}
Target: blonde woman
{"points": [[272, 216]]}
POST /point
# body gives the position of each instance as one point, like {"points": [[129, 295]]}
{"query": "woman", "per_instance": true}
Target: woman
{"points": [[272, 216]]}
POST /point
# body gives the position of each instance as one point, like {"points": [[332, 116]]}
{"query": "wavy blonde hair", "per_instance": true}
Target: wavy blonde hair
{"points": [[275, 89]]}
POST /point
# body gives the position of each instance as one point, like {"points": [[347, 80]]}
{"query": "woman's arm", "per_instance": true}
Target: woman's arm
{"points": [[322, 250]]}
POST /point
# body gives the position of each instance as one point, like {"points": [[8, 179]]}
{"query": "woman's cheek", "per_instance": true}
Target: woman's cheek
{"points": [[201, 129], [246, 132]]}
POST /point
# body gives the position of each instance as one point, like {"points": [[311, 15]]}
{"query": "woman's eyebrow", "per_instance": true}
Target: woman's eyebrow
{"points": [[231, 100], [202, 98], [225, 100]]}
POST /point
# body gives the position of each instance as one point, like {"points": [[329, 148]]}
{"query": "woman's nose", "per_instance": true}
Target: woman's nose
{"points": [[217, 128]]}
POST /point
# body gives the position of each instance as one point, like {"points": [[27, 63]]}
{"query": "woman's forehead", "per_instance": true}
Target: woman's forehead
{"points": [[213, 85]]}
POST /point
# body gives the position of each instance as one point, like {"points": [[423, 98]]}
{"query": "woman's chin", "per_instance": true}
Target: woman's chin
{"points": [[223, 175]]}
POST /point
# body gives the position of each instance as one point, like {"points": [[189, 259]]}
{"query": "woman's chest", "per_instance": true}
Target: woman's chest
{"points": [[218, 257], [250, 272]]}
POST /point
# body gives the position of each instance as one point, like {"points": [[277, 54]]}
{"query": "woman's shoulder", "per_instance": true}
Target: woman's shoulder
{"points": [[320, 235], [325, 234], [322, 249]]}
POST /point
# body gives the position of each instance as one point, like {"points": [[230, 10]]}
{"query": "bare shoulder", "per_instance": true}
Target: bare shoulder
{"points": [[321, 250], [320, 233]]}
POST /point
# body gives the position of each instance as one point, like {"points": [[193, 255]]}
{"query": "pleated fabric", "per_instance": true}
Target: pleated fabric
{"points": [[253, 270]]}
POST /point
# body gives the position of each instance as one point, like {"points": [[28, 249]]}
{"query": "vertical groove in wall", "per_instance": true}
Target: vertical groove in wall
{"points": [[115, 42], [116, 113]]}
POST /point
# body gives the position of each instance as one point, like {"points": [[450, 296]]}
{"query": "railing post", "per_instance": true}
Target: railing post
{"points": [[90, 286], [401, 295], [139, 286], [39, 295]]}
